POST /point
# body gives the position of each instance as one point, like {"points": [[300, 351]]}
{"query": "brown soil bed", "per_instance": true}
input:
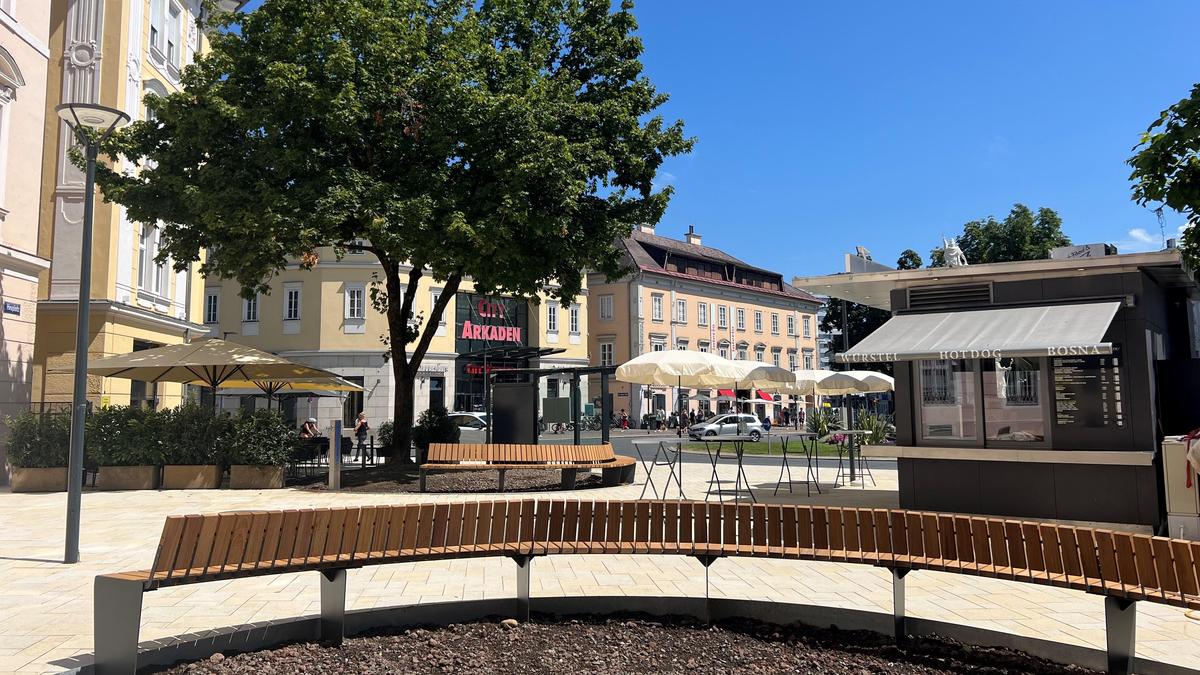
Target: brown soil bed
{"points": [[397, 477], [629, 645]]}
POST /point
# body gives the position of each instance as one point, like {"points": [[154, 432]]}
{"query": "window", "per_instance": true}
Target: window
{"points": [[757, 322], [552, 317], [807, 326], [173, 31], [1012, 402], [791, 325], [722, 318], [743, 351], [703, 346], [158, 11], [681, 311], [723, 349], [808, 359], [250, 309], [702, 313], [212, 305], [356, 247], [606, 354], [774, 324], [776, 355], [152, 276], [681, 345], [355, 301], [947, 399], [573, 320], [434, 296], [760, 353], [791, 360], [656, 307], [658, 344], [606, 308], [291, 302], [741, 319]]}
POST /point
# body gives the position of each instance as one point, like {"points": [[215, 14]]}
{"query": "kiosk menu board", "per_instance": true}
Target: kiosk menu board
{"points": [[1087, 391]]}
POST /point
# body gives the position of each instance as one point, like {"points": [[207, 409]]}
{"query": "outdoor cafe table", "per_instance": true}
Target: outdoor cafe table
{"points": [[808, 446], [853, 443], [666, 453], [739, 450]]}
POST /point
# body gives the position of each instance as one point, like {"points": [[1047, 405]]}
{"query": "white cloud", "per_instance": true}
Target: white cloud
{"points": [[1140, 234], [663, 179]]}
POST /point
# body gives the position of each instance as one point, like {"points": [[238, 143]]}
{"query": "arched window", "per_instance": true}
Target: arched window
{"points": [[743, 350], [151, 86], [10, 80], [723, 349]]}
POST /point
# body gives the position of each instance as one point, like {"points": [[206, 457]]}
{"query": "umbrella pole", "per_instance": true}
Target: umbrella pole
{"points": [[679, 407]]}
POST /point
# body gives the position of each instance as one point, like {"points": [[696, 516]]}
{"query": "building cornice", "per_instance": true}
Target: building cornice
{"points": [[22, 262], [133, 316], [22, 32]]}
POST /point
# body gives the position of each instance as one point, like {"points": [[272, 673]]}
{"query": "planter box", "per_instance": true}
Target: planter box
{"points": [[249, 477], [52, 479], [127, 478], [191, 477]]}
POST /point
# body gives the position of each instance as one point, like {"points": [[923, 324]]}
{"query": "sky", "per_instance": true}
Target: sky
{"points": [[822, 126]]}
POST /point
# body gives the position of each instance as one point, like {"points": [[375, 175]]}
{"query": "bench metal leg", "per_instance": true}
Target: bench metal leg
{"points": [[898, 618], [568, 478], [1120, 624], [117, 617], [524, 563], [503, 472], [707, 561], [333, 606], [422, 480]]}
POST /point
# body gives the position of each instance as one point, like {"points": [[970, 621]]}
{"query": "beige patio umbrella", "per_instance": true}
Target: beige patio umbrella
{"points": [[808, 380], [272, 388], [678, 368], [208, 361]]}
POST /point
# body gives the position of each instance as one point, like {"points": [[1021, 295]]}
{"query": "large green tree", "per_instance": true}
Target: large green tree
{"points": [[908, 260], [1022, 235], [1166, 168], [505, 141]]}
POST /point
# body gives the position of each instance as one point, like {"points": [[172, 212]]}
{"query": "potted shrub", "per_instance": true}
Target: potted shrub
{"points": [[191, 436], [433, 426], [383, 440], [259, 444], [38, 446], [126, 441]]}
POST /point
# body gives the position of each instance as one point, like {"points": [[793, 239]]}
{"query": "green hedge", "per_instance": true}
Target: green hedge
{"points": [[38, 441], [136, 436]]}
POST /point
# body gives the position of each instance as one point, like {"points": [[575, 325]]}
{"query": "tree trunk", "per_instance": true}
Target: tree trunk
{"points": [[402, 412]]}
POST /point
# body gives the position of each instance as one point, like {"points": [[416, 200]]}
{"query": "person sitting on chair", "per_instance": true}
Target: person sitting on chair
{"points": [[310, 429]]}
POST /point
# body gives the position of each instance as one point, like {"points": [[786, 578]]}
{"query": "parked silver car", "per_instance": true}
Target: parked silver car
{"points": [[727, 425], [472, 426]]}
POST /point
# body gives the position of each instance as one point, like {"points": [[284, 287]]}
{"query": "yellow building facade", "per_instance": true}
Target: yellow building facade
{"points": [[682, 294], [324, 317], [111, 52]]}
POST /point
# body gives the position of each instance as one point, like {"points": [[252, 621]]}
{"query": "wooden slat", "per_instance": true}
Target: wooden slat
{"points": [[837, 542], [658, 517], [820, 532], [898, 526], [612, 535], [1126, 565], [423, 536], [1164, 569], [512, 525], [916, 540], [273, 536], [226, 523], [1185, 567], [931, 540], [641, 526], [573, 520], [455, 522], [671, 527], [204, 544], [168, 546], [583, 540], [1016, 546], [883, 535], [1143, 554], [599, 526], [737, 527], [256, 540], [186, 552]]}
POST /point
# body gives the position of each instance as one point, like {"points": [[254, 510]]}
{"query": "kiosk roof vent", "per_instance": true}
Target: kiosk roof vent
{"points": [[940, 297]]}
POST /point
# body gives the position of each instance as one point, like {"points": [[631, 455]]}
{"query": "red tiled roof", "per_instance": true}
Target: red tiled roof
{"points": [[788, 291]]}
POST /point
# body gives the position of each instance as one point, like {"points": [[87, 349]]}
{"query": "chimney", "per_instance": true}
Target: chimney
{"points": [[692, 236], [646, 228]]}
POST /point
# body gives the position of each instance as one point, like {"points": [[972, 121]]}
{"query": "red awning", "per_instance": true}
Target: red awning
{"points": [[725, 392], [765, 396]]}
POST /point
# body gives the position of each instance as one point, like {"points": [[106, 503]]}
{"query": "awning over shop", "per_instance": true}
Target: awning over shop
{"points": [[764, 396], [725, 392], [1053, 330]]}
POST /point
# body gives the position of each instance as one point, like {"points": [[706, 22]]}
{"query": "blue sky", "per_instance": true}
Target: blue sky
{"points": [[886, 124]]}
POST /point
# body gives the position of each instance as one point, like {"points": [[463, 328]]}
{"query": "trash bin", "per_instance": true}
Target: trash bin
{"points": [[1183, 502]]}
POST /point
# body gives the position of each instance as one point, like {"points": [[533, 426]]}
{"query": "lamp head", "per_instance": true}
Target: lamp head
{"points": [[92, 116]]}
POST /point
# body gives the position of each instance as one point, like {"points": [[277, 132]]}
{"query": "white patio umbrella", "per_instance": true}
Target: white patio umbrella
{"points": [[871, 382], [808, 380], [272, 388], [678, 368]]}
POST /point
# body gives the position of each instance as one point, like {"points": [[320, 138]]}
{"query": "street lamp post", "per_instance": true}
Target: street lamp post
{"points": [[101, 119]]}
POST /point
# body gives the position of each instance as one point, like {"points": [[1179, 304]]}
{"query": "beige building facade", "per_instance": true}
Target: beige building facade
{"points": [[111, 52], [682, 294], [24, 60], [324, 317]]}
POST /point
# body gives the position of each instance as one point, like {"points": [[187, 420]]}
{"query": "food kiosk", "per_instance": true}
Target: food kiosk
{"points": [[1035, 388]]}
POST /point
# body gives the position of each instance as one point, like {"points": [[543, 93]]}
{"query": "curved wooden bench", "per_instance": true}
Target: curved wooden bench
{"points": [[503, 457], [1122, 567]]}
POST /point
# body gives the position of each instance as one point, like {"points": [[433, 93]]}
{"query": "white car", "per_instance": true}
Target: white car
{"points": [[472, 426], [727, 425]]}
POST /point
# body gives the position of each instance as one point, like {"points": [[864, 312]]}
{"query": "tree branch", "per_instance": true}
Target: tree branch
{"points": [[431, 326]]}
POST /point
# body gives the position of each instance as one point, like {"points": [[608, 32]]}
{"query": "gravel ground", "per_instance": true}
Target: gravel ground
{"points": [[627, 645], [396, 477]]}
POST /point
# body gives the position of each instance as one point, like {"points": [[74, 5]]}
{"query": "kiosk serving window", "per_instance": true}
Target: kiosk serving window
{"points": [[947, 399], [1012, 400]]}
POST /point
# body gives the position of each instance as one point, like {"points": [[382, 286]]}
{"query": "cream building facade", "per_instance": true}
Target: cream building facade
{"points": [[324, 317], [111, 52], [24, 60], [682, 294]]}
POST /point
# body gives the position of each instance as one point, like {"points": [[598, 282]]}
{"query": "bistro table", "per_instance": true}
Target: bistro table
{"points": [[852, 441], [666, 453], [808, 446], [739, 450]]}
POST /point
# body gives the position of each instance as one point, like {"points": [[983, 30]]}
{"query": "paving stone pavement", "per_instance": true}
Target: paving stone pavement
{"points": [[46, 607]]}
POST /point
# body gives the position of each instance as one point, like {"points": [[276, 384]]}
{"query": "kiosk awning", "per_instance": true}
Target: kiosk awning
{"points": [[1053, 330]]}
